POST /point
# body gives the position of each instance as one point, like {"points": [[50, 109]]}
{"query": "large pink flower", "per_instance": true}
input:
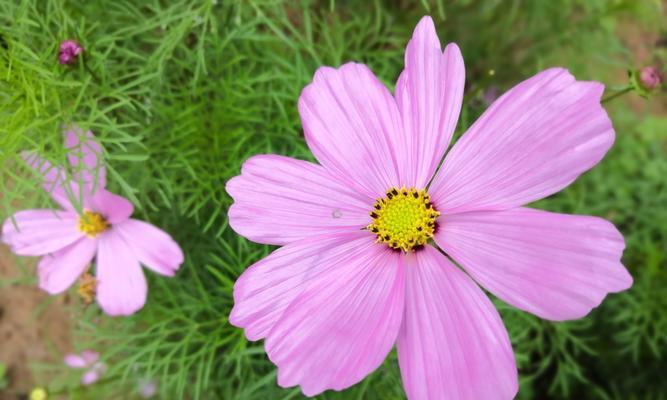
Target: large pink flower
{"points": [[359, 272], [68, 241]]}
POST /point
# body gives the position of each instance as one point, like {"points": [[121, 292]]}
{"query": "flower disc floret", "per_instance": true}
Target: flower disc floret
{"points": [[404, 219], [92, 224]]}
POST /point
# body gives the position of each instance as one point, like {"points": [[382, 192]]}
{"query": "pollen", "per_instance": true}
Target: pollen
{"points": [[404, 219], [92, 224]]}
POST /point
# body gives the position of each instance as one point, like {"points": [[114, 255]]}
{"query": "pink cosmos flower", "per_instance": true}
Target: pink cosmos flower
{"points": [[68, 241], [69, 51], [87, 360], [359, 272]]}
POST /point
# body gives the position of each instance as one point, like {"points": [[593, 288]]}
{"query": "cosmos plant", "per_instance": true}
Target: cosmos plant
{"points": [[70, 238], [370, 235]]}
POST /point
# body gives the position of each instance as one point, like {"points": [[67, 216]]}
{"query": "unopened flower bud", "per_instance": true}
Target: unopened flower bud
{"points": [[649, 77], [69, 52]]}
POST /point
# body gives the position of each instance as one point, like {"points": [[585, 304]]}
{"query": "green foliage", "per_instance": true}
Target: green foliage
{"points": [[180, 93], [4, 382]]}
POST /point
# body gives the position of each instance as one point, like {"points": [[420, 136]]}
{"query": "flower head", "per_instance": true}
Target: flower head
{"points": [[368, 233], [88, 361], [69, 52], [68, 240]]}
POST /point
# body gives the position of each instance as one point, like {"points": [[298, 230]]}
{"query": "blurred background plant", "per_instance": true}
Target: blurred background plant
{"points": [[180, 93], [4, 383]]}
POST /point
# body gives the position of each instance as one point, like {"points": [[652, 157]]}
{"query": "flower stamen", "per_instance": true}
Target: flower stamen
{"points": [[92, 224], [404, 219]]}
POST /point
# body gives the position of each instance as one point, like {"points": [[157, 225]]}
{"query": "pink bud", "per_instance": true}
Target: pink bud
{"points": [[649, 77], [69, 51]]}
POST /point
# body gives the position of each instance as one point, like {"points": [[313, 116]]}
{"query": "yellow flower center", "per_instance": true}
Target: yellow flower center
{"points": [[92, 224], [404, 219]]}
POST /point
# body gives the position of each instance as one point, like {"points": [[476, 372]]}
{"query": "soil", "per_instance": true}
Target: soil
{"points": [[33, 328]]}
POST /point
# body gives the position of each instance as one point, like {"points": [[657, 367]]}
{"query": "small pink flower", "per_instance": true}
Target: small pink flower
{"points": [[649, 77], [368, 233], [147, 388], [69, 51], [69, 241], [87, 360]]}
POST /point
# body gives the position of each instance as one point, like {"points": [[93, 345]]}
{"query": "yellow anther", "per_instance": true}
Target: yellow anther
{"points": [[92, 224], [404, 219]]}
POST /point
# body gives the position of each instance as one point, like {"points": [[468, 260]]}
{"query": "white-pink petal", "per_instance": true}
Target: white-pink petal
{"points": [[85, 157], [153, 247], [532, 142], [555, 266], [113, 207], [74, 361], [429, 93], [90, 377], [121, 285], [279, 200], [93, 375], [343, 325], [353, 127], [453, 344], [90, 356], [268, 287], [55, 182], [86, 358], [39, 232], [58, 271]]}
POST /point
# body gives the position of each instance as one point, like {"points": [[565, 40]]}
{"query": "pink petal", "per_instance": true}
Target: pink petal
{"points": [[85, 158], [353, 127], [429, 93], [121, 285], [86, 359], [343, 325], [113, 207], [278, 200], [40, 231], [152, 246], [58, 271], [268, 287], [532, 142], [452, 344], [75, 361], [55, 181], [90, 356], [90, 377], [94, 373], [555, 266]]}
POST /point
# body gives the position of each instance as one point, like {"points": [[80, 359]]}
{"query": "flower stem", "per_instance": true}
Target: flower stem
{"points": [[617, 94], [91, 72]]}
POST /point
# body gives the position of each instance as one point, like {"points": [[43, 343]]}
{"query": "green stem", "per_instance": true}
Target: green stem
{"points": [[617, 94], [90, 71]]}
